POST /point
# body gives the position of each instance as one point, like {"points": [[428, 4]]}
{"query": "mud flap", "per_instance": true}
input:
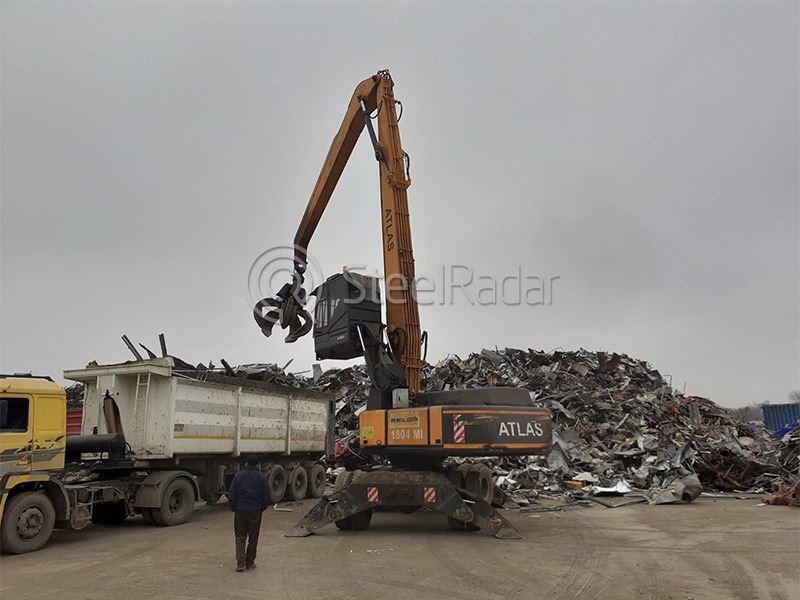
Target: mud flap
{"points": [[433, 490]]}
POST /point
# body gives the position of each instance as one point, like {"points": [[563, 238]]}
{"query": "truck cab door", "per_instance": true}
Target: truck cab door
{"points": [[16, 433], [49, 433]]}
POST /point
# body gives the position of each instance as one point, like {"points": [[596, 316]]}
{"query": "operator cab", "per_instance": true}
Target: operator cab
{"points": [[344, 301]]}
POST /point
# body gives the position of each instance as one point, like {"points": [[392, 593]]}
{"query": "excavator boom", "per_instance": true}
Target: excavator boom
{"points": [[373, 95]]}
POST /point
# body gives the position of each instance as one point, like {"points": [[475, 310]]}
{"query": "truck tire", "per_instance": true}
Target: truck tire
{"points": [[147, 516], [316, 481], [277, 483], [110, 513], [177, 503], [28, 522], [298, 484]]}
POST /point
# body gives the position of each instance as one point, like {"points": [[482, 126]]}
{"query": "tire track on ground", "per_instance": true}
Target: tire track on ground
{"points": [[579, 576], [658, 587], [739, 582], [583, 579]]}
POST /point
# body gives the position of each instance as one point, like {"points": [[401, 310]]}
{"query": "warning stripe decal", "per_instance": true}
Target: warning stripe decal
{"points": [[372, 495], [458, 430]]}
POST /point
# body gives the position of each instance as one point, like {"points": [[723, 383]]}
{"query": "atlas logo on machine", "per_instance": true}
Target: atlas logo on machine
{"points": [[515, 429]]}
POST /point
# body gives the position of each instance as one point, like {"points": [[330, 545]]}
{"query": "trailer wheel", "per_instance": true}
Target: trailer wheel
{"points": [[277, 483], [110, 513], [298, 484], [316, 481], [28, 522], [177, 503]]}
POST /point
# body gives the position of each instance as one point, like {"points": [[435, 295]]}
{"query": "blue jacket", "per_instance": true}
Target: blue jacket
{"points": [[249, 492]]}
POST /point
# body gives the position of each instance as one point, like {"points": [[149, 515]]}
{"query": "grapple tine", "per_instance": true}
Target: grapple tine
{"points": [[300, 326], [287, 310], [266, 322]]}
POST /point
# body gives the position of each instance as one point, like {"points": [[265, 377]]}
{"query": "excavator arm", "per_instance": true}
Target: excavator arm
{"points": [[373, 95]]}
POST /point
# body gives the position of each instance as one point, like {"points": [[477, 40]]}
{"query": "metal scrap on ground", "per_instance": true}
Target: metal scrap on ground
{"points": [[619, 426]]}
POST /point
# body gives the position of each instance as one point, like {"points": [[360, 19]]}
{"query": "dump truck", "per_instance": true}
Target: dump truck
{"points": [[153, 442]]}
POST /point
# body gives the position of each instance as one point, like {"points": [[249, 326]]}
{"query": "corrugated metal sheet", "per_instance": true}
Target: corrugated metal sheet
{"points": [[74, 420], [780, 416]]}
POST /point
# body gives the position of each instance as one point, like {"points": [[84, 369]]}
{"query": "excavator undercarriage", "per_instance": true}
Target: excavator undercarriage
{"points": [[362, 492]]}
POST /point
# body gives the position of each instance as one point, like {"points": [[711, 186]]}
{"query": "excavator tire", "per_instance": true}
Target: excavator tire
{"points": [[361, 520], [463, 470], [455, 476], [480, 483], [344, 524], [344, 479], [454, 523]]}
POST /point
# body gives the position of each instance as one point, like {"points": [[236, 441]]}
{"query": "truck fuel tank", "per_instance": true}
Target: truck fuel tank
{"points": [[112, 443]]}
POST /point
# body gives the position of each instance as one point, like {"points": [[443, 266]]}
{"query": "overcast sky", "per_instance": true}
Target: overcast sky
{"points": [[645, 154]]}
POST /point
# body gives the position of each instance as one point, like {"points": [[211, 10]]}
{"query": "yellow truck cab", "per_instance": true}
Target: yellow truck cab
{"points": [[49, 481], [32, 451]]}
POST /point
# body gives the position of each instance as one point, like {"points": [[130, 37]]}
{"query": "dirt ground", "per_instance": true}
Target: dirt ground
{"points": [[711, 549]]}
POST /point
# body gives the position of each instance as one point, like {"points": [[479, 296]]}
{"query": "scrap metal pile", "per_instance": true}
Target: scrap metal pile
{"points": [[619, 426], [74, 395]]}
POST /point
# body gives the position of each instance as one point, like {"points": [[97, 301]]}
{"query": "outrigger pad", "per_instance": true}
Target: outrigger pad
{"points": [[370, 489]]}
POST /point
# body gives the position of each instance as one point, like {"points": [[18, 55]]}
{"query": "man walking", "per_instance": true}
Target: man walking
{"points": [[248, 498]]}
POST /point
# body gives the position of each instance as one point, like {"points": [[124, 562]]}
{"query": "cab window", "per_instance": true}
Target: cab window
{"points": [[13, 415]]}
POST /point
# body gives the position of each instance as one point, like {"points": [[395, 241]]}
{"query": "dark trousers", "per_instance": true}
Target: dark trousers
{"points": [[246, 526]]}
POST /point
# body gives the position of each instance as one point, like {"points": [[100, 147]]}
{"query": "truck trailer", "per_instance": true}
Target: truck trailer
{"points": [[153, 441]]}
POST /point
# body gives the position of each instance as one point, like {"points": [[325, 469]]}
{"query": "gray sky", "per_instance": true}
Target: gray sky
{"points": [[646, 154]]}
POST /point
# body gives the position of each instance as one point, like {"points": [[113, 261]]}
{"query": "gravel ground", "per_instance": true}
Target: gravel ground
{"points": [[711, 549]]}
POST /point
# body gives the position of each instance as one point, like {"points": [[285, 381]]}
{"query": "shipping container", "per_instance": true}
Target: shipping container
{"points": [[778, 417]]}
